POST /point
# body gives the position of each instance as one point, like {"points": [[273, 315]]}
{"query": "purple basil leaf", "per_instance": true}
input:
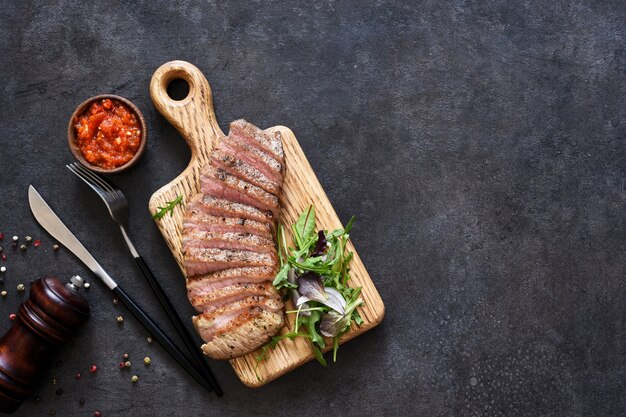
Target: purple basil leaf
{"points": [[311, 288], [335, 300], [333, 323], [320, 246], [310, 285]]}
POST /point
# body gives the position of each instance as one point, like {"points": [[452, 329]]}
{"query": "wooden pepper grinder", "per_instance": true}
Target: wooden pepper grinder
{"points": [[52, 314]]}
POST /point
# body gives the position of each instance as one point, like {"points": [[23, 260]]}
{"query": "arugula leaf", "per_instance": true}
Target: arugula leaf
{"points": [[346, 229], [318, 355], [281, 280], [304, 229], [331, 308], [315, 336], [169, 206]]}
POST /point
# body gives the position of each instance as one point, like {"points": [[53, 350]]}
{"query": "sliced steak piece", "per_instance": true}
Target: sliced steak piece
{"points": [[197, 220], [216, 299], [262, 161], [246, 333], [207, 204], [201, 261], [229, 257], [243, 170], [200, 285], [220, 184], [207, 322], [267, 142], [194, 238]]}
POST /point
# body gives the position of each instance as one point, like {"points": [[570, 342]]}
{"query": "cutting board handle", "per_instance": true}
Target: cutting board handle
{"points": [[193, 116]]}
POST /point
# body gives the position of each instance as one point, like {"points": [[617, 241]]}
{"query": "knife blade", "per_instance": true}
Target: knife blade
{"points": [[48, 219]]}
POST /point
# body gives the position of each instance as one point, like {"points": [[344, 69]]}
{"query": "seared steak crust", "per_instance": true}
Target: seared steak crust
{"points": [[195, 238], [220, 184], [245, 171], [195, 220], [201, 261], [268, 142], [207, 204]]}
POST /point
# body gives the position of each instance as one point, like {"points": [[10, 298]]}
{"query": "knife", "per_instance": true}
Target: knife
{"points": [[53, 225]]}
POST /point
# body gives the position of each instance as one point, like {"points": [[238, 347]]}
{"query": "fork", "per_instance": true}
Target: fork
{"points": [[117, 205]]}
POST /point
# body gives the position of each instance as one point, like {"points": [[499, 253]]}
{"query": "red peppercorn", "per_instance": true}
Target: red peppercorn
{"points": [[93, 368], [37, 243], [12, 316], [97, 413], [4, 257], [78, 375], [122, 365], [1, 236]]}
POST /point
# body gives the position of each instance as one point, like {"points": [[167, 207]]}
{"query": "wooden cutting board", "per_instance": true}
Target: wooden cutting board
{"points": [[194, 118]]}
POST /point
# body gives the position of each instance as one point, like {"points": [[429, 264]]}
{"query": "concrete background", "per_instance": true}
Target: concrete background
{"points": [[482, 148]]}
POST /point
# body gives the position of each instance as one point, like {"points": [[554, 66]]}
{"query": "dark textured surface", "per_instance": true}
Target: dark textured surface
{"points": [[481, 147]]}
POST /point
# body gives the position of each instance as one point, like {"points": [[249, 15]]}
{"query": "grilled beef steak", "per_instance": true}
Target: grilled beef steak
{"points": [[230, 256]]}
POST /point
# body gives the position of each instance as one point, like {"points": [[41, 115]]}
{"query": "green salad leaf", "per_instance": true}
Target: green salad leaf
{"points": [[315, 275]]}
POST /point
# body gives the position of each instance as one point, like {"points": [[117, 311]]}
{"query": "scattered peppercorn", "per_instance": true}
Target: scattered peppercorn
{"points": [[3, 269], [78, 375], [122, 365], [20, 287], [149, 339], [115, 301], [127, 364], [134, 379], [1, 249], [54, 381], [12, 316], [97, 414], [55, 247], [81, 401], [93, 368], [120, 319], [4, 257], [22, 247], [3, 293], [28, 239], [147, 361], [37, 243], [59, 391], [1, 236], [86, 285], [15, 238], [126, 356]]}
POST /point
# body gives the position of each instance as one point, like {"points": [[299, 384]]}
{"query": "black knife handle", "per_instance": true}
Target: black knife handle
{"points": [[174, 318], [154, 330]]}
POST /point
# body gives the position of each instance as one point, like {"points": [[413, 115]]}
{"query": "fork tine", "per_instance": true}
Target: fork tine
{"points": [[105, 185], [97, 189], [104, 195]]}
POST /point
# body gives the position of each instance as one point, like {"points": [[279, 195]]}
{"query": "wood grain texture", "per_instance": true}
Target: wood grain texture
{"points": [[194, 118]]}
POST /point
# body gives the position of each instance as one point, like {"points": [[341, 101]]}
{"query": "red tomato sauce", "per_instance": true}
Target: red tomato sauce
{"points": [[108, 133]]}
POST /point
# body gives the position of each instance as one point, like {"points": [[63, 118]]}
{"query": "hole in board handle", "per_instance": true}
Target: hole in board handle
{"points": [[178, 89]]}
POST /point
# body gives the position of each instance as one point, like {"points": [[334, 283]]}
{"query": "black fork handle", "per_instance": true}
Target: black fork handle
{"points": [[176, 321], [154, 330]]}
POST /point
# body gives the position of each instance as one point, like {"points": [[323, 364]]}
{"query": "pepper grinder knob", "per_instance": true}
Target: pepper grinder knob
{"points": [[76, 283], [49, 317]]}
